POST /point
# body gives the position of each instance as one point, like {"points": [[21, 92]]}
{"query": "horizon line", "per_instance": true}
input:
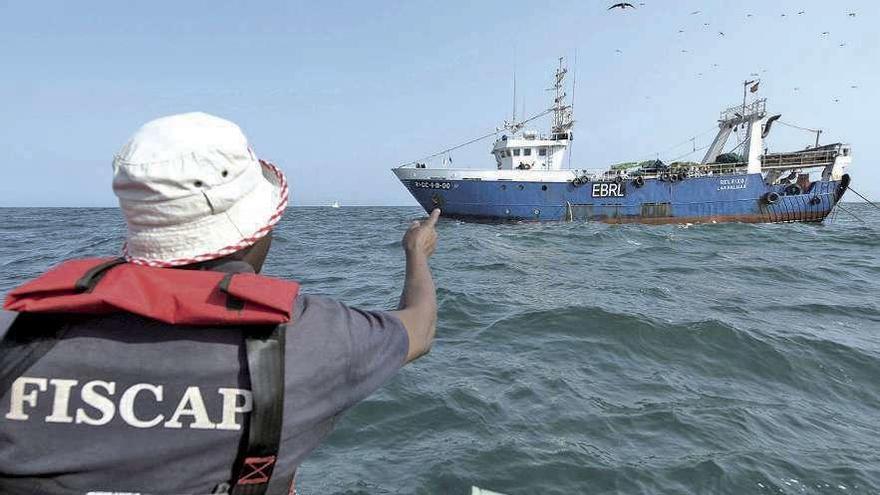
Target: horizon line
{"points": [[289, 206]]}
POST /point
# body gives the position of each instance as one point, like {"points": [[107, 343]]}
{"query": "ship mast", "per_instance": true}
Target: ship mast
{"points": [[513, 118], [562, 116]]}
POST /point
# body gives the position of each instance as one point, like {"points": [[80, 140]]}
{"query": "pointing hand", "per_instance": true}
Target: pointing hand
{"points": [[421, 238]]}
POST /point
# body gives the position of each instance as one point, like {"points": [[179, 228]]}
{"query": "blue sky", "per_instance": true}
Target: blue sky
{"points": [[339, 92]]}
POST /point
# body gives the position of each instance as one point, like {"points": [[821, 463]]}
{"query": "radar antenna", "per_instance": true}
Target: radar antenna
{"points": [[562, 114]]}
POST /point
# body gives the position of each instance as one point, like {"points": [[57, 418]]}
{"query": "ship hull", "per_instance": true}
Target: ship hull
{"points": [[716, 198]]}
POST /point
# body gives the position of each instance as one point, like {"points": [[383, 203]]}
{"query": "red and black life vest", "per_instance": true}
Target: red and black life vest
{"points": [[257, 305]]}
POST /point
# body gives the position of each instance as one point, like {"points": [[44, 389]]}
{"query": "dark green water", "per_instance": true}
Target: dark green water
{"points": [[585, 358]]}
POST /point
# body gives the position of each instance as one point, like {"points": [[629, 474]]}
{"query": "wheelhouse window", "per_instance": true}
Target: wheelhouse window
{"points": [[542, 151], [516, 152], [527, 152]]}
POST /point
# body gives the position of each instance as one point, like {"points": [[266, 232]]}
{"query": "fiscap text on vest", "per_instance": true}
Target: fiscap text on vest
{"points": [[103, 401]]}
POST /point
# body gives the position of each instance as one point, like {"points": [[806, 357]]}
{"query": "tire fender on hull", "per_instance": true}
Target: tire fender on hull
{"points": [[770, 198]]}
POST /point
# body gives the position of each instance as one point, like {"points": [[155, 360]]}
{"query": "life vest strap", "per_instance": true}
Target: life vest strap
{"points": [[265, 356], [93, 275], [232, 303], [41, 331]]}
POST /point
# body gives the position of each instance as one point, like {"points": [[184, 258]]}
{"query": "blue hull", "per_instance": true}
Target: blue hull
{"points": [[716, 198]]}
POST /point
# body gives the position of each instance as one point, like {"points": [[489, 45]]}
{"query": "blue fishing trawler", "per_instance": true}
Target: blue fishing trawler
{"points": [[530, 182]]}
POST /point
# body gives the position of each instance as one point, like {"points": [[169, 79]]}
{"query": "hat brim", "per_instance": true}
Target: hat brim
{"points": [[214, 236]]}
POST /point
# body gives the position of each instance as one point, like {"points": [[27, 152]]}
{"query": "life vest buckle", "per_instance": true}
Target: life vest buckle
{"points": [[256, 470]]}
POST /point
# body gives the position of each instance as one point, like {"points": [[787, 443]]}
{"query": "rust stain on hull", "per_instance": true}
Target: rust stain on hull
{"points": [[764, 217], [751, 218]]}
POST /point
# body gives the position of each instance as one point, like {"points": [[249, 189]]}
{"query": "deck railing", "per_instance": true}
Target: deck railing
{"points": [[800, 159], [736, 112]]}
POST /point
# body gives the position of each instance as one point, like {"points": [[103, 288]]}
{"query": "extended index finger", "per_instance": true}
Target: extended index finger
{"points": [[432, 220]]}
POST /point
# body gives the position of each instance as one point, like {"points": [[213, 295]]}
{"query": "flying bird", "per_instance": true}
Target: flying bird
{"points": [[851, 14], [714, 65], [680, 31], [853, 87], [825, 33], [706, 24], [748, 15], [720, 33], [802, 12], [842, 45], [695, 12], [797, 88], [622, 6], [837, 100], [684, 51], [782, 15], [618, 51]]}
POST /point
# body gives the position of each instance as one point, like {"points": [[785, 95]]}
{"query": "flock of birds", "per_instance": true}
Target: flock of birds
{"points": [[824, 34]]}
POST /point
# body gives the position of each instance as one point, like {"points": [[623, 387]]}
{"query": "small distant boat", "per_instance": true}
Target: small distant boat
{"points": [[475, 490], [335, 204]]}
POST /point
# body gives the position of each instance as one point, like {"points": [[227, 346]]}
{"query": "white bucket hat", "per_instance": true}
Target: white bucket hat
{"points": [[191, 190]]}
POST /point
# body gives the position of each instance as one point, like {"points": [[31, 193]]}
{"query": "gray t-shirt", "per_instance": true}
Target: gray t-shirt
{"points": [[127, 404]]}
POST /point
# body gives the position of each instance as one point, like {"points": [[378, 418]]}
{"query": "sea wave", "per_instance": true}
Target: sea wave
{"points": [[584, 358]]}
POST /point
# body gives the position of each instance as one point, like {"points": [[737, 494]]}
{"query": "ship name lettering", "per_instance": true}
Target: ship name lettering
{"points": [[734, 183], [607, 190]]}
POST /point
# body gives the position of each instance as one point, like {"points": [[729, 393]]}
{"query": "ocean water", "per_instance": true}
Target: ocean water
{"points": [[584, 358]]}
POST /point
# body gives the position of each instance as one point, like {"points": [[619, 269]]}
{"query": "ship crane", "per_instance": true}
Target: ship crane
{"points": [[753, 115]]}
